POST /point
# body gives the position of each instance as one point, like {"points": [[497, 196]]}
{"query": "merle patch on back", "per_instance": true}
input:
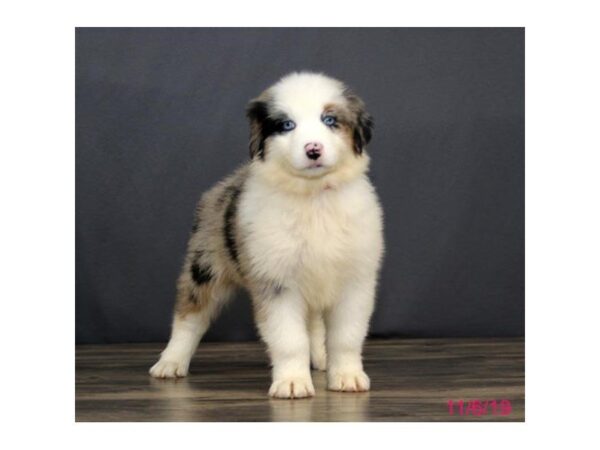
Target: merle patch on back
{"points": [[200, 274]]}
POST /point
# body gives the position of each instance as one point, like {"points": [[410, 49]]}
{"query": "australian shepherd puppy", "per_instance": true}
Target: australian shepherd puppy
{"points": [[299, 227]]}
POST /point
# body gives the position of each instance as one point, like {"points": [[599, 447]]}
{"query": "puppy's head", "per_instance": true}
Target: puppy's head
{"points": [[309, 126]]}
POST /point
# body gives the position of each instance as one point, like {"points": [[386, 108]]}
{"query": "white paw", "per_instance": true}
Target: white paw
{"points": [[319, 361], [348, 381], [298, 387], [169, 369]]}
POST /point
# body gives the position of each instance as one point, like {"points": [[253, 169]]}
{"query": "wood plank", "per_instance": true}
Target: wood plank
{"points": [[412, 380]]}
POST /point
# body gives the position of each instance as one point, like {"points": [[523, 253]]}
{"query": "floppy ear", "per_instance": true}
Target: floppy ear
{"points": [[257, 113], [362, 122], [363, 131]]}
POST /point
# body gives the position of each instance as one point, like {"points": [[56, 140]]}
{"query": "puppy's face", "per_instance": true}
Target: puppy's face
{"points": [[308, 125]]}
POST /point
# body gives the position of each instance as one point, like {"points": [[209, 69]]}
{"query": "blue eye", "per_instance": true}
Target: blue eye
{"points": [[288, 125], [329, 121]]}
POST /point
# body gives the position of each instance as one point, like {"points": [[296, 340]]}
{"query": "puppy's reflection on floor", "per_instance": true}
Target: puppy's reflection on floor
{"points": [[333, 406], [177, 395], [346, 406], [180, 399], [300, 410]]}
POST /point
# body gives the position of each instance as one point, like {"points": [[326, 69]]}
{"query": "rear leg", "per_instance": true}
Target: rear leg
{"points": [[316, 331], [200, 296]]}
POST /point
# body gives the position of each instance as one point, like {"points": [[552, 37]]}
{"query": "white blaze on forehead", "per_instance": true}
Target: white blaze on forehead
{"points": [[303, 92]]}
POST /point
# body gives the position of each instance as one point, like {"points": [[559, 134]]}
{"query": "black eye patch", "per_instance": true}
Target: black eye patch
{"points": [[285, 125], [278, 124]]}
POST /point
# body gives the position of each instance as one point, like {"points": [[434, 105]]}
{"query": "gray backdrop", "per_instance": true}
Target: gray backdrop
{"points": [[160, 118]]}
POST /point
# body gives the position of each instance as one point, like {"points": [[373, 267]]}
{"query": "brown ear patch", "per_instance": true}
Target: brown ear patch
{"points": [[360, 121]]}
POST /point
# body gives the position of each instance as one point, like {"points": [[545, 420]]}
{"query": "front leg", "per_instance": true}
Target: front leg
{"points": [[347, 326], [281, 318]]}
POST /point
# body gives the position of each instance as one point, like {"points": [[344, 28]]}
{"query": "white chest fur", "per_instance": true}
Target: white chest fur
{"points": [[313, 243]]}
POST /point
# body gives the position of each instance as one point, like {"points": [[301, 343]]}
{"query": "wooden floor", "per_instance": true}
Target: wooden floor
{"points": [[411, 380]]}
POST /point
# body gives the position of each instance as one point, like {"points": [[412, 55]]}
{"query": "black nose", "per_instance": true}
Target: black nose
{"points": [[313, 150], [313, 154]]}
